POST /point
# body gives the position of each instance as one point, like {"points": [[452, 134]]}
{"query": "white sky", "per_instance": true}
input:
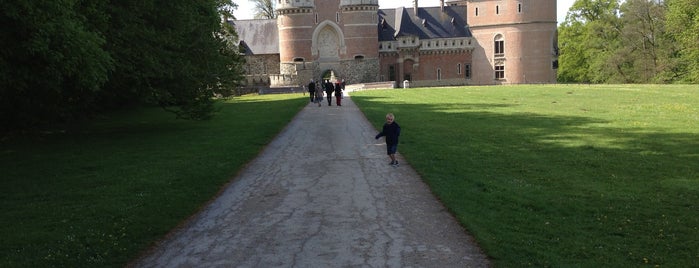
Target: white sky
{"points": [[245, 12]]}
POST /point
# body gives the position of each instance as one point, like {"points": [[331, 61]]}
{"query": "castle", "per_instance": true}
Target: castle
{"points": [[460, 42]]}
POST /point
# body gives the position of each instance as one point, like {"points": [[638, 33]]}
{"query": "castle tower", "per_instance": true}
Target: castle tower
{"points": [[316, 37], [295, 24], [358, 20], [517, 41]]}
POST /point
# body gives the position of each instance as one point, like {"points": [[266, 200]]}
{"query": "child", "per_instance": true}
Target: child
{"points": [[391, 130]]}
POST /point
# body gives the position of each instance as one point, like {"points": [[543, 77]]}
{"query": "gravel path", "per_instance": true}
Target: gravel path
{"points": [[322, 195]]}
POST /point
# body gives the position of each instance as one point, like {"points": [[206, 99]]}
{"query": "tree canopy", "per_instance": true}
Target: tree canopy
{"points": [[63, 60], [632, 41], [264, 9]]}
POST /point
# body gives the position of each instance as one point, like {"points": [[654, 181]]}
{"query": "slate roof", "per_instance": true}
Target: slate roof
{"points": [[430, 23], [258, 37]]}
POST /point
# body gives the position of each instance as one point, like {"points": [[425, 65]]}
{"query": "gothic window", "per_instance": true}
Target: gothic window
{"points": [[499, 46]]}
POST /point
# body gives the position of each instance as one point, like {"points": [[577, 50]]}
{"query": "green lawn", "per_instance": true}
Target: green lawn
{"points": [[559, 175], [97, 195]]}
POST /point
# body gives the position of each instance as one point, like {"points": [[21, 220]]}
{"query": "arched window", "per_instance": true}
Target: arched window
{"points": [[499, 48]]}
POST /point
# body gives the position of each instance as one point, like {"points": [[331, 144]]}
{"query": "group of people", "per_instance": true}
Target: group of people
{"points": [[316, 92], [390, 130]]}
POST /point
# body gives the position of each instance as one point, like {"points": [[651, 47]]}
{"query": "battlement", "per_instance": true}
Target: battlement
{"points": [[294, 4], [359, 3]]}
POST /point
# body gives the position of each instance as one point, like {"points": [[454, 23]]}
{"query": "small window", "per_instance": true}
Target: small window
{"points": [[359, 57], [519, 8], [467, 71], [439, 74], [337, 17], [476, 12], [497, 10], [458, 68], [500, 72], [298, 60]]}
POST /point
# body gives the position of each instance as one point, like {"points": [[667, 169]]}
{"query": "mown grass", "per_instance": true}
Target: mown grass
{"points": [[559, 175], [97, 195]]}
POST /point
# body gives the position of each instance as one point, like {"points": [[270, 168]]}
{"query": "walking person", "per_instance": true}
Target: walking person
{"points": [[329, 91], [391, 130], [318, 97], [338, 94], [312, 90]]}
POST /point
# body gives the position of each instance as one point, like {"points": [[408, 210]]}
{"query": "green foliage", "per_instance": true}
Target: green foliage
{"points": [[68, 59], [683, 24], [604, 42], [52, 61], [99, 195], [559, 176]]}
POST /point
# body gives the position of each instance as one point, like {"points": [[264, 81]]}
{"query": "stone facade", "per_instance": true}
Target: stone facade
{"points": [[461, 42]]}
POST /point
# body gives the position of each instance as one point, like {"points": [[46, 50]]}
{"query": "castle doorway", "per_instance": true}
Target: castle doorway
{"points": [[329, 75], [408, 70]]}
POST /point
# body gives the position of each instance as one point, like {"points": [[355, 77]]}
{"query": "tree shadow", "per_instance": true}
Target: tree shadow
{"points": [[549, 189]]}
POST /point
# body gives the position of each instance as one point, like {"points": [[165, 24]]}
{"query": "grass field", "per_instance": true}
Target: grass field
{"points": [[559, 175], [97, 195]]}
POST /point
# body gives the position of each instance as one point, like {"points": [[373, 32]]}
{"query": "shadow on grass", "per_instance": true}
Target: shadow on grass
{"points": [[98, 194], [541, 190]]}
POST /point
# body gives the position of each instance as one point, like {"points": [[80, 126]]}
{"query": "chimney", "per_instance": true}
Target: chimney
{"points": [[441, 5], [415, 6]]}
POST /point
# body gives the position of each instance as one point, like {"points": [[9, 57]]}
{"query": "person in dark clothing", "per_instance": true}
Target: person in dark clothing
{"points": [[312, 89], [391, 130], [338, 94], [329, 91]]}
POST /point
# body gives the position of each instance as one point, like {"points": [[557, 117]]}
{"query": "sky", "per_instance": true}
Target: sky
{"points": [[245, 12]]}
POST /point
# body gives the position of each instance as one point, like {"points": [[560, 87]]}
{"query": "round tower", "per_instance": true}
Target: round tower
{"points": [[517, 41], [295, 23], [358, 20]]}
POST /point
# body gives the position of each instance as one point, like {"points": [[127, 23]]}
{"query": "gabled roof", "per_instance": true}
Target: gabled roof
{"points": [[258, 37], [429, 23]]}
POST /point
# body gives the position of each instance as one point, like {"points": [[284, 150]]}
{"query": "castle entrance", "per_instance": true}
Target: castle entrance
{"points": [[329, 75]]}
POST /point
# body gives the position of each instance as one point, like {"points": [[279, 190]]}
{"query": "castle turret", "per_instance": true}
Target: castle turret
{"points": [[517, 41]]}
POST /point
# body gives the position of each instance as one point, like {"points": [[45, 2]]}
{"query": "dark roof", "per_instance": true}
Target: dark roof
{"points": [[429, 23], [258, 37]]}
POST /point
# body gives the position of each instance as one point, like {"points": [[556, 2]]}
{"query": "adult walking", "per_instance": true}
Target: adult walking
{"points": [[329, 91], [312, 89], [338, 94]]}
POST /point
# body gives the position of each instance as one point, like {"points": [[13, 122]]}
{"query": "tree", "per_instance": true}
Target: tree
{"points": [[588, 37], [683, 25], [63, 60], [52, 62], [176, 55], [264, 9]]}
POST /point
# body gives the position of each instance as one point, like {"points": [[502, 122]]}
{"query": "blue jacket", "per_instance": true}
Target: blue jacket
{"points": [[391, 132]]}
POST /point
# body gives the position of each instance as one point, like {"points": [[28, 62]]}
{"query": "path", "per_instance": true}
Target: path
{"points": [[322, 195]]}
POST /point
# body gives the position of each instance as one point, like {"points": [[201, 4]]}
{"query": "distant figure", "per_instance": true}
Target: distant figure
{"points": [[391, 130], [338, 94], [312, 89], [318, 97], [329, 91]]}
